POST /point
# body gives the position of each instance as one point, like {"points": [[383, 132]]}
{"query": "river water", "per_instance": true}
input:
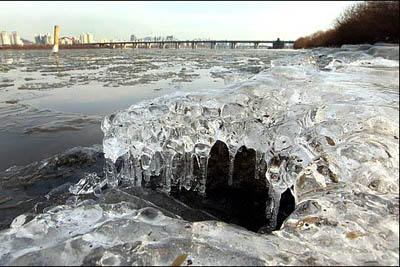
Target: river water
{"points": [[49, 103], [244, 157]]}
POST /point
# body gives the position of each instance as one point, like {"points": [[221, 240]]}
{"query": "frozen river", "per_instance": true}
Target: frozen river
{"points": [[243, 157]]}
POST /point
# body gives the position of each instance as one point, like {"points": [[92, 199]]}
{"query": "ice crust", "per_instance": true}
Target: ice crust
{"points": [[324, 124], [336, 125], [346, 227]]}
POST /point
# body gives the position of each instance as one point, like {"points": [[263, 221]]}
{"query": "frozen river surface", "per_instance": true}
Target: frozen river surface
{"points": [[238, 157], [50, 103]]}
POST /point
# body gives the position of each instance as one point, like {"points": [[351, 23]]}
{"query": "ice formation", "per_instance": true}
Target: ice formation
{"points": [[305, 124], [324, 124]]}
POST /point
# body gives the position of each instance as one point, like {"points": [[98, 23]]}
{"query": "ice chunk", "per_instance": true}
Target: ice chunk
{"points": [[292, 115], [90, 183]]}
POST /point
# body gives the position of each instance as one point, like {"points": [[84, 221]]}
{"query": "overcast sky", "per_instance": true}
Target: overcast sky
{"points": [[185, 20]]}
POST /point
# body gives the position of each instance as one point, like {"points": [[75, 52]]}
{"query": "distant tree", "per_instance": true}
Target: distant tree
{"points": [[363, 22]]}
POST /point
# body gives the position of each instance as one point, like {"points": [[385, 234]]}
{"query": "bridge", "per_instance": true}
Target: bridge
{"points": [[193, 44]]}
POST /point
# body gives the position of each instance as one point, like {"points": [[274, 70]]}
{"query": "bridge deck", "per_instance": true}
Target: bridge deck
{"points": [[192, 42]]}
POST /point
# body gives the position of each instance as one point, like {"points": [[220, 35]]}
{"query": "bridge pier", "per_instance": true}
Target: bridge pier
{"points": [[134, 46], [163, 45], [194, 45], [177, 45], [233, 45], [256, 45], [213, 45]]}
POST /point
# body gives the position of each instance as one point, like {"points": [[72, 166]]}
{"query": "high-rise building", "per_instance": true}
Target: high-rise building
{"points": [[38, 39], [48, 39], [89, 37], [84, 38], [4, 38], [15, 39], [133, 38], [44, 39]]}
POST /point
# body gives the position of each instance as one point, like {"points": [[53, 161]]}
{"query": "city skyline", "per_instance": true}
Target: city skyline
{"points": [[10, 38], [184, 20]]}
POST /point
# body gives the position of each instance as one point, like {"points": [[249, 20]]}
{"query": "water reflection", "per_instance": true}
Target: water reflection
{"points": [[57, 63]]}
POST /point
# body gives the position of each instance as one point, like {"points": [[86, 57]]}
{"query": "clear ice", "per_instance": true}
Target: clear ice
{"points": [[327, 116]]}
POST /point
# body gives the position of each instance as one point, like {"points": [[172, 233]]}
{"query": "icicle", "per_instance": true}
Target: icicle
{"points": [[231, 168], [156, 164], [167, 171], [259, 164], [130, 170], [183, 176], [146, 164], [156, 167], [232, 154], [147, 177], [272, 208], [111, 174], [203, 162], [126, 173], [188, 167], [177, 172], [138, 172]]}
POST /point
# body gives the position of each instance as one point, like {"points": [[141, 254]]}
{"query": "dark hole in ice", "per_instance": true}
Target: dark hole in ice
{"points": [[244, 202], [286, 207]]}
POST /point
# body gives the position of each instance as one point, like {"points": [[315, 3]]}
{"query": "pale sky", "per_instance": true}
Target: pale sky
{"points": [[185, 20]]}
